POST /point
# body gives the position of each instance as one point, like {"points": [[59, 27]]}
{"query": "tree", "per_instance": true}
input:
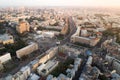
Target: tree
{"points": [[12, 48]]}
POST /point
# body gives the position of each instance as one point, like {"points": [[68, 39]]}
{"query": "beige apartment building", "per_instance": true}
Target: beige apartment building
{"points": [[22, 27], [77, 37], [27, 50]]}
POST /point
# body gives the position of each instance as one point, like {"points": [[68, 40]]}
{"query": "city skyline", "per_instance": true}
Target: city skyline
{"points": [[83, 3], [59, 40]]}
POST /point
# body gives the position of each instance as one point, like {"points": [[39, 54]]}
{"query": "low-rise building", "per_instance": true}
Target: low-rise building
{"points": [[4, 58], [33, 77], [89, 61], [6, 39], [48, 55], [115, 76], [89, 72], [115, 63], [48, 34], [34, 64], [9, 77], [18, 76], [27, 50], [26, 71], [22, 74], [63, 77], [49, 77], [70, 71]]}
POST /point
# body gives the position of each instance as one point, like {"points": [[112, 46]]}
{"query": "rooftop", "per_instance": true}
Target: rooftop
{"points": [[5, 37], [33, 77]]}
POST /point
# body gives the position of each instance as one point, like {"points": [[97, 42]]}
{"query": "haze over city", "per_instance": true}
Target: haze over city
{"points": [[91, 3], [59, 39]]}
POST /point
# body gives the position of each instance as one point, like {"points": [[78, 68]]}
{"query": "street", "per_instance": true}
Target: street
{"points": [[72, 27]]}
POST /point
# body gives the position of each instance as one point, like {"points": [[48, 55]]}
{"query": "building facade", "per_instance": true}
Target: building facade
{"points": [[81, 36], [27, 50], [22, 27], [4, 58]]}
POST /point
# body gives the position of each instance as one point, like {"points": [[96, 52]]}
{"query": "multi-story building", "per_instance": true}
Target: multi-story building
{"points": [[81, 36], [65, 29], [70, 72], [49, 54], [22, 74], [27, 50], [22, 27], [115, 63], [33, 77], [4, 58], [44, 69], [89, 72]]}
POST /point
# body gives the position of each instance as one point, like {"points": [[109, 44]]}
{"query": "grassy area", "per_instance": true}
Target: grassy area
{"points": [[81, 56], [2, 28], [62, 67], [2, 31], [60, 37], [12, 48], [8, 67], [103, 77]]}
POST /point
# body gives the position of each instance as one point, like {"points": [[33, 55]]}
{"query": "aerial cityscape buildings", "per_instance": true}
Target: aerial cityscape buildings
{"points": [[23, 26], [59, 42]]}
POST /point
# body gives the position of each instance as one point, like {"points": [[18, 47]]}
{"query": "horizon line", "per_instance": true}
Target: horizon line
{"points": [[16, 6]]}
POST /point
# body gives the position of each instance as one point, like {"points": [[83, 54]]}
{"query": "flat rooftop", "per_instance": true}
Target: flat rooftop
{"points": [[5, 37]]}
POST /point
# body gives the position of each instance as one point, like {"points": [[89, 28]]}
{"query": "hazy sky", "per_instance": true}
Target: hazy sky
{"points": [[98, 3]]}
